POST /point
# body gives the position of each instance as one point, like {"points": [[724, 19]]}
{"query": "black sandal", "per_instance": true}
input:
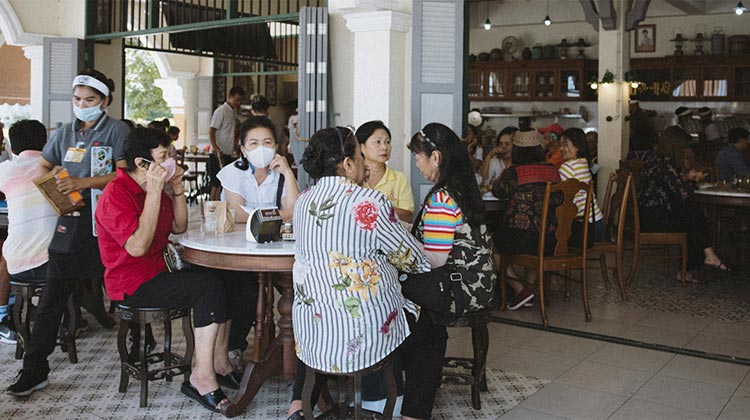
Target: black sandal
{"points": [[297, 415], [231, 380], [212, 400]]}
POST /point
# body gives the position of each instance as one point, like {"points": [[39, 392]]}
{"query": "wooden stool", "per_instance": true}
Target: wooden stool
{"points": [[24, 292], [474, 369], [174, 364], [385, 365]]}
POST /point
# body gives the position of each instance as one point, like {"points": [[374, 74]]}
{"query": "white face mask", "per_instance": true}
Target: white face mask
{"points": [[261, 156]]}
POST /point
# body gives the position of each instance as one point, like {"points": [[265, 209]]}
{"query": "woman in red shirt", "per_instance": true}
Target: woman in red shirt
{"points": [[134, 218]]}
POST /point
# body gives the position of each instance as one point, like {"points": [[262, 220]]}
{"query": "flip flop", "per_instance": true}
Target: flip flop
{"points": [[211, 400], [720, 266], [691, 278]]}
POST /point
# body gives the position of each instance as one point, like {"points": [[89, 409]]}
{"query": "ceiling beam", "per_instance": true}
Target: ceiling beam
{"points": [[590, 13], [691, 7], [637, 14], [608, 14]]}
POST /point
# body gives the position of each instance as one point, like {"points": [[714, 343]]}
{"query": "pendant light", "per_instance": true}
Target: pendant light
{"points": [[547, 20], [739, 9], [488, 23]]}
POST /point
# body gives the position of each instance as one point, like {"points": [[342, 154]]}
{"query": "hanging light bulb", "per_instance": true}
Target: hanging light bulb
{"points": [[547, 20], [739, 9], [594, 85], [487, 24]]}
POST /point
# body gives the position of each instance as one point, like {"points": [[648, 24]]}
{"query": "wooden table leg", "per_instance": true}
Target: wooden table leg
{"points": [[259, 345], [281, 354]]}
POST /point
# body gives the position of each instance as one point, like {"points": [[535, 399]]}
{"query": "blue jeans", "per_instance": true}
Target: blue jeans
{"points": [[35, 275]]}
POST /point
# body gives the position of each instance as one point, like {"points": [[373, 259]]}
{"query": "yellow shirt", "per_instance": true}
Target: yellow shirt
{"points": [[396, 189]]}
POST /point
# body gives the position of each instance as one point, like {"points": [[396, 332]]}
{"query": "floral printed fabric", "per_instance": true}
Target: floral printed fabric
{"points": [[662, 186], [348, 306]]}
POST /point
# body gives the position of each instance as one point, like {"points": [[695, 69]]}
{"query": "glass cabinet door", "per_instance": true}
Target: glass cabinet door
{"points": [[476, 83], [544, 87], [741, 81], [520, 84], [684, 82], [715, 81], [495, 84], [570, 86]]}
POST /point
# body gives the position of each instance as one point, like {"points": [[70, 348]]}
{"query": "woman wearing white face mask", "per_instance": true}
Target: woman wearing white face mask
{"points": [[255, 180], [260, 178], [89, 148]]}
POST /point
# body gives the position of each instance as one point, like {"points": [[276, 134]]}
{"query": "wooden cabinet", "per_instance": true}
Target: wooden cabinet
{"points": [[538, 80], [694, 78]]}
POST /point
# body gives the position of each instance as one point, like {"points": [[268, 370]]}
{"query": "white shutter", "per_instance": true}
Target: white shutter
{"points": [[63, 59], [203, 107], [437, 72]]}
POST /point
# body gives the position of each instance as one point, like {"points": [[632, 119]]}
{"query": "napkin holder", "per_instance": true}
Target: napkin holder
{"points": [[263, 225]]}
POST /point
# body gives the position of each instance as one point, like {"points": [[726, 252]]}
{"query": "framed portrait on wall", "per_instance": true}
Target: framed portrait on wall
{"points": [[645, 39]]}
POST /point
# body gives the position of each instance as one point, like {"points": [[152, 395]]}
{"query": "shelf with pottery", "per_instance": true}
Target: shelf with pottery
{"points": [[531, 80], [528, 114]]}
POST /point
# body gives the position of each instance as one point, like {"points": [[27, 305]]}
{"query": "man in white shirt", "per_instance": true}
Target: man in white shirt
{"points": [[221, 133], [499, 157]]}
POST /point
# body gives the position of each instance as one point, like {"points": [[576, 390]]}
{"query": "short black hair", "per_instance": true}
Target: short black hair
{"points": [[365, 130], [173, 130], [140, 142], [27, 135], [236, 90], [328, 148], [576, 136], [259, 103], [509, 130], [736, 134], [96, 74]]}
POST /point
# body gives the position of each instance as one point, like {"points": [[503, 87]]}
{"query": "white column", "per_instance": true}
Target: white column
{"points": [[35, 54], [379, 73], [614, 130]]}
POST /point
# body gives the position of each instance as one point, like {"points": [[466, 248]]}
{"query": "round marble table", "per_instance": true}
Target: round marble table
{"points": [[231, 251]]}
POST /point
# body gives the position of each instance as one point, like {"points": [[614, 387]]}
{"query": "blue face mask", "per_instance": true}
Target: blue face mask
{"points": [[88, 114]]}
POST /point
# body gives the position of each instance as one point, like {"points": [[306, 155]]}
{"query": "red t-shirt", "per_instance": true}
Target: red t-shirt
{"points": [[117, 213]]}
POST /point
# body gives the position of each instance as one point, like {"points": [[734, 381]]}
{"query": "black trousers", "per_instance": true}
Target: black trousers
{"points": [[688, 218], [64, 271], [242, 295], [422, 355], [200, 290], [214, 166]]}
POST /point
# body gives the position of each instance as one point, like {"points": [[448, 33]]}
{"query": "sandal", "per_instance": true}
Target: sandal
{"points": [[719, 266], [231, 380], [211, 400], [690, 277], [297, 415]]}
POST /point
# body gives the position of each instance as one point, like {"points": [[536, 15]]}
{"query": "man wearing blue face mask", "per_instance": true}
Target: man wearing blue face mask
{"points": [[260, 178], [89, 148]]}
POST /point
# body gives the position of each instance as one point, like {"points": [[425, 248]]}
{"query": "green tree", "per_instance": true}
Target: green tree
{"points": [[144, 101]]}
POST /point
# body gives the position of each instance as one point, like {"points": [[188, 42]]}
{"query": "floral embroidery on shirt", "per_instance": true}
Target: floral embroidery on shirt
{"points": [[392, 216], [341, 262], [386, 328], [365, 284], [401, 258], [365, 214], [317, 317], [321, 212], [352, 305], [302, 297]]}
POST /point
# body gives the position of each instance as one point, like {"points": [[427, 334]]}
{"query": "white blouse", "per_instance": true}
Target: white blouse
{"points": [[244, 183], [348, 307]]}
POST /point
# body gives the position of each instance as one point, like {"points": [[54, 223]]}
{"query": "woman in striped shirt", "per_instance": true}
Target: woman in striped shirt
{"points": [[575, 152], [348, 310]]}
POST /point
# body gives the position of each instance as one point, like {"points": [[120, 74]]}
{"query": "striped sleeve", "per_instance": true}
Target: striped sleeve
{"points": [[442, 218]]}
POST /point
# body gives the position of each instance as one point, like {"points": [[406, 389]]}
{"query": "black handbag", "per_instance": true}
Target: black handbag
{"points": [[63, 240], [438, 291]]}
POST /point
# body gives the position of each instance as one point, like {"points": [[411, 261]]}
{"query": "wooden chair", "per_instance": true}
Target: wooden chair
{"points": [[650, 238], [564, 257], [472, 371], [616, 200], [191, 178], [358, 412]]}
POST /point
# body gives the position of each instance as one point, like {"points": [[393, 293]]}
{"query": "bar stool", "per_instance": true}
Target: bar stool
{"points": [[385, 365], [24, 292], [174, 364], [472, 371]]}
